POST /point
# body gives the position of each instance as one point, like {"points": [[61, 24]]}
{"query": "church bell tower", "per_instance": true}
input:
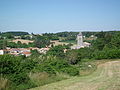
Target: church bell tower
{"points": [[79, 40]]}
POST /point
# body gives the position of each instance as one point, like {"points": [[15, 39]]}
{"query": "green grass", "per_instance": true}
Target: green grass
{"points": [[43, 78], [71, 41], [106, 77]]}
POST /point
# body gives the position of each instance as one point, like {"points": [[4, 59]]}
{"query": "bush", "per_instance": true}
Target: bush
{"points": [[55, 65], [108, 54], [15, 69], [72, 71], [47, 68]]}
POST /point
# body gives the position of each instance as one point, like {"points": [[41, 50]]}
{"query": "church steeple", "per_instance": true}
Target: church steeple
{"points": [[80, 39], [80, 34], [80, 43]]}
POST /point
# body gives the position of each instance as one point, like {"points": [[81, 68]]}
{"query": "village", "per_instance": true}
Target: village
{"points": [[59, 44], [22, 51], [27, 51]]}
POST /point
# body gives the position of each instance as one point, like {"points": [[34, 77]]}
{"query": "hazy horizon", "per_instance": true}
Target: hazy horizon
{"points": [[62, 31], [51, 16]]}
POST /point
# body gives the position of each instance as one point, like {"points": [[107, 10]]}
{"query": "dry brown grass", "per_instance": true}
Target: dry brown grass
{"points": [[3, 83], [43, 78], [22, 41]]}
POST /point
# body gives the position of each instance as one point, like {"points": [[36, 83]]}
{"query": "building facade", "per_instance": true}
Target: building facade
{"points": [[79, 39], [1, 52], [80, 43]]}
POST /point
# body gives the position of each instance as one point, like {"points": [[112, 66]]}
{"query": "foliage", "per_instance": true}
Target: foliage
{"points": [[5, 43], [35, 53], [56, 65], [51, 36], [41, 41], [58, 51], [72, 71], [15, 33], [76, 56], [108, 54], [73, 56], [16, 68], [67, 36], [7, 35], [107, 45]]}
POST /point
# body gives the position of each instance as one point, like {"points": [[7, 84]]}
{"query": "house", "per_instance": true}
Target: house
{"points": [[17, 37], [40, 50], [14, 51], [33, 48], [1, 52], [23, 51], [65, 50], [43, 50], [26, 53], [20, 51]]}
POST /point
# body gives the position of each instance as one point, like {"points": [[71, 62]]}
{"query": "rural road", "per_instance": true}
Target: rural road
{"points": [[106, 77]]}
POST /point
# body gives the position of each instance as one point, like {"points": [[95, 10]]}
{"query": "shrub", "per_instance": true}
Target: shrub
{"points": [[72, 71], [107, 54], [15, 69], [55, 65]]}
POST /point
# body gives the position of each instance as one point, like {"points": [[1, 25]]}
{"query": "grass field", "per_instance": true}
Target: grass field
{"points": [[22, 41], [71, 41], [106, 77], [56, 43]]}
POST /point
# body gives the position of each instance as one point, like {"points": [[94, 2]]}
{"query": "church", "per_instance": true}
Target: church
{"points": [[80, 43]]}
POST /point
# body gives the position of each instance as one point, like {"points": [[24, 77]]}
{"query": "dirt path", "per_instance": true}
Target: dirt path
{"points": [[106, 77]]}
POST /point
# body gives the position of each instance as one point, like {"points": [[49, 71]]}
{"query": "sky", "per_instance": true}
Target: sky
{"points": [[41, 16]]}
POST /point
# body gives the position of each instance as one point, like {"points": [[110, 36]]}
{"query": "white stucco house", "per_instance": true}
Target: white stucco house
{"points": [[1, 52]]}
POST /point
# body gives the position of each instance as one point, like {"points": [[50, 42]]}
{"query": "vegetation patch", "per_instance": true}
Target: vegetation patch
{"points": [[60, 62]]}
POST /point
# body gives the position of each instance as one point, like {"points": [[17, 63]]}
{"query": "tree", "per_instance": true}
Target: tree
{"points": [[41, 41], [57, 51], [73, 56], [16, 69], [115, 41], [4, 44]]}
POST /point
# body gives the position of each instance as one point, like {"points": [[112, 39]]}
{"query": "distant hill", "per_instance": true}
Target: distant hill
{"points": [[71, 36], [85, 33], [17, 33], [74, 34]]}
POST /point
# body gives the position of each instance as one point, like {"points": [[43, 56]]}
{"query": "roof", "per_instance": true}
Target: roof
{"points": [[26, 53]]}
